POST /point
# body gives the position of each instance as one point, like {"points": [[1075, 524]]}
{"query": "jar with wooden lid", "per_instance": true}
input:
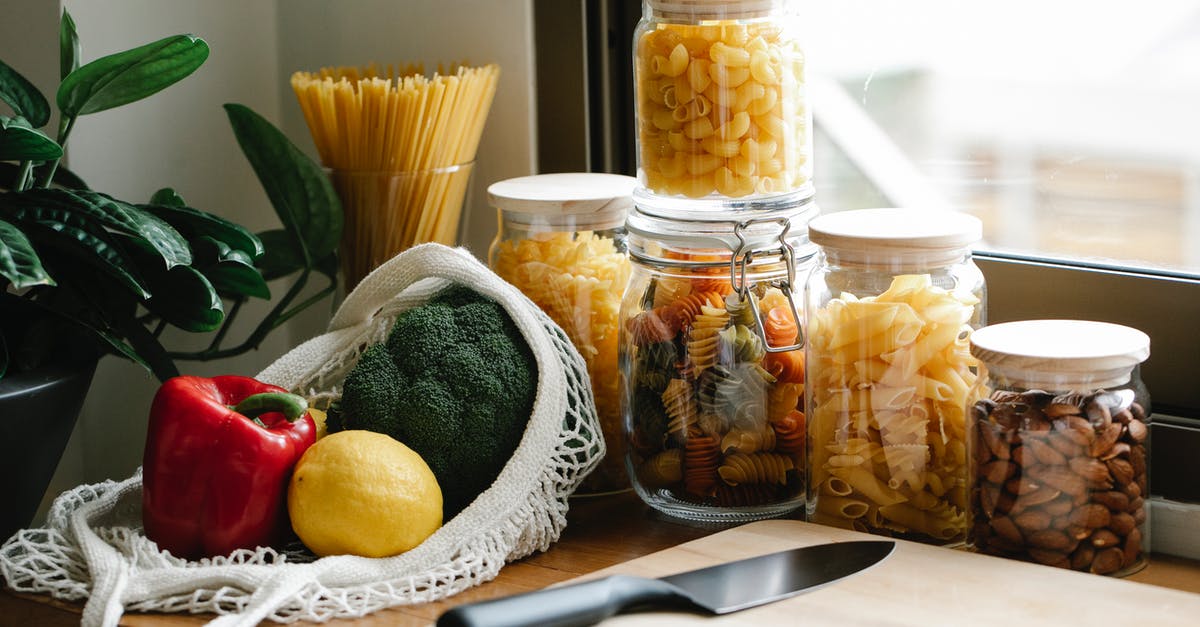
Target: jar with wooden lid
{"points": [[891, 303], [712, 370], [1061, 445], [722, 115], [561, 241]]}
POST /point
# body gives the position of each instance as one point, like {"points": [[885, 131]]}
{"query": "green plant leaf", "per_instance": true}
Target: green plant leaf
{"points": [[23, 97], [19, 263], [21, 142], [302, 195], [125, 77], [168, 197], [181, 295], [62, 176], [59, 204], [90, 248], [192, 223], [230, 270], [282, 256], [68, 46]]}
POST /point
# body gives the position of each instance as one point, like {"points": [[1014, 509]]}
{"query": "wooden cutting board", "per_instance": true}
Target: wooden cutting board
{"points": [[916, 585]]}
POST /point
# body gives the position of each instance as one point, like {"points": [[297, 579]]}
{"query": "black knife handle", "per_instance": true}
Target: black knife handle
{"points": [[584, 603]]}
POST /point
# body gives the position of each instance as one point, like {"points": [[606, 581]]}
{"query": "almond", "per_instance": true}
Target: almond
{"points": [[1006, 529], [989, 497], [994, 443], [1137, 458], [1059, 506], [1113, 500], [1082, 558], [1036, 520], [1121, 524], [1133, 547], [1050, 539], [1050, 558], [1122, 470], [1136, 504], [1044, 453], [1120, 449], [1107, 561], [1133, 490], [1091, 515], [1093, 471], [1021, 456], [1103, 538], [1139, 516], [998, 471], [1076, 532], [1098, 415], [1061, 479], [1058, 410], [1022, 485], [1039, 496], [1079, 430], [1137, 430], [1124, 416], [1105, 439], [1138, 411]]}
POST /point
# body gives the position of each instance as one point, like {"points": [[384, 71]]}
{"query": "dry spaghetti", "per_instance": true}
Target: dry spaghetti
{"points": [[400, 147]]}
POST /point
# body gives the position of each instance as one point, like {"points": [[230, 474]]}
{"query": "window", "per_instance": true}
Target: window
{"points": [[1068, 127]]}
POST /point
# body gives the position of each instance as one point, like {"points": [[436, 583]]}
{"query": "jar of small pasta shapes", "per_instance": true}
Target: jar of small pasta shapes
{"points": [[1061, 445], [721, 107], [891, 304], [712, 369], [561, 241]]}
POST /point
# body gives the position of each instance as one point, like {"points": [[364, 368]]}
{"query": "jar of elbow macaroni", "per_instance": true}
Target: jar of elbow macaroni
{"points": [[712, 369], [721, 105], [1060, 445], [891, 304], [561, 241]]}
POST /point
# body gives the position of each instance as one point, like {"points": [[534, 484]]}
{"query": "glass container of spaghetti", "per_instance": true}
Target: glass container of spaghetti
{"points": [[561, 241], [1061, 445], [891, 304], [723, 121], [712, 370]]}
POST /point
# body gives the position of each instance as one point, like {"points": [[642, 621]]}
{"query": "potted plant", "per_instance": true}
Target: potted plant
{"points": [[83, 274]]}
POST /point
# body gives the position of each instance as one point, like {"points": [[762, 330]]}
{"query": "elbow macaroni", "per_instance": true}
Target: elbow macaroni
{"points": [[743, 84], [891, 379]]}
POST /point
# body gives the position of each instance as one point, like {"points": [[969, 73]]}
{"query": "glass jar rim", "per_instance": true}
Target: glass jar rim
{"points": [[713, 9], [1068, 353]]}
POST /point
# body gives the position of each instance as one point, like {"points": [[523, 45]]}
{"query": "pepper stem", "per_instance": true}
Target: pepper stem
{"points": [[292, 406]]}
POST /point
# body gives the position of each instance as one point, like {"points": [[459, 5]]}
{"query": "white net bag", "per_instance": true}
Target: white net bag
{"points": [[92, 545]]}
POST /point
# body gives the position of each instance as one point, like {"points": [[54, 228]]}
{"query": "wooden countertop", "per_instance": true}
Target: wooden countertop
{"points": [[602, 532]]}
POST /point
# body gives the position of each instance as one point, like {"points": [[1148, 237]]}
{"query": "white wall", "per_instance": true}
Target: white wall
{"points": [[181, 138]]}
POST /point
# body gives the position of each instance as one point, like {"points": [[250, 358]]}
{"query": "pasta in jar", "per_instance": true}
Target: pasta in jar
{"points": [[890, 374], [720, 94], [713, 373], [577, 276]]}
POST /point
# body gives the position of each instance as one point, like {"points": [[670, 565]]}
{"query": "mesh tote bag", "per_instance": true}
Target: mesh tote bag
{"points": [[92, 545]]}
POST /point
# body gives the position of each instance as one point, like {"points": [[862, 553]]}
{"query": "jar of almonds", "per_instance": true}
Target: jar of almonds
{"points": [[1061, 445]]}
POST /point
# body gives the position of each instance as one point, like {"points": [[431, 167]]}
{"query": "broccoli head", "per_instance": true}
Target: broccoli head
{"points": [[455, 381]]}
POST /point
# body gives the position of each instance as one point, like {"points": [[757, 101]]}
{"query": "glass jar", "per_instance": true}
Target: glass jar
{"points": [[712, 370], [721, 104], [891, 302], [561, 241], [1061, 445]]}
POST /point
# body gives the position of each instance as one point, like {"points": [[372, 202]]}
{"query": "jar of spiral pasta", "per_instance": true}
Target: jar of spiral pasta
{"points": [[561, 241], [1061, 445], [712, 370], [891, 303], [722, 113]]}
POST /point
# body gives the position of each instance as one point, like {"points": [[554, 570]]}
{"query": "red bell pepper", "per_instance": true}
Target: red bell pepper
{"points": [[219, 455]]}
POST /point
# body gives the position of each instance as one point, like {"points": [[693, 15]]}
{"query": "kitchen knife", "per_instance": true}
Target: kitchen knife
{"points": [[719, 589]]}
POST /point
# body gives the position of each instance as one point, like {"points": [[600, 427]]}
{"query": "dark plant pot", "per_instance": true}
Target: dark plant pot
{"points": [[38, 410]]}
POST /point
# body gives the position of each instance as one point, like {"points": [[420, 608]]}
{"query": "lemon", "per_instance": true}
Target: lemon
{"points": [[363, 493]]}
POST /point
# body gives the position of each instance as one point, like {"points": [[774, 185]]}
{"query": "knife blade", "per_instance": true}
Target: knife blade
{"points": [[719, 589]]}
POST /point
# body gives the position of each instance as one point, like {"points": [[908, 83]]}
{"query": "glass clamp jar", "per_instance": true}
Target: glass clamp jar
{"points": [[1061, 445], [721, 106], [712, 378], [561, 241], [890, 304]]}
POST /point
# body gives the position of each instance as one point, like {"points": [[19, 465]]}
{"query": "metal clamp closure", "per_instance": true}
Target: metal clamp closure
{"points": [[743, 256]]}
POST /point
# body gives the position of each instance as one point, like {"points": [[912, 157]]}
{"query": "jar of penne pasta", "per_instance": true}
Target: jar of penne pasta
{"points": [[891, 303], [561, 241], [721, 106], [1060, 445], [712, 369]]}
